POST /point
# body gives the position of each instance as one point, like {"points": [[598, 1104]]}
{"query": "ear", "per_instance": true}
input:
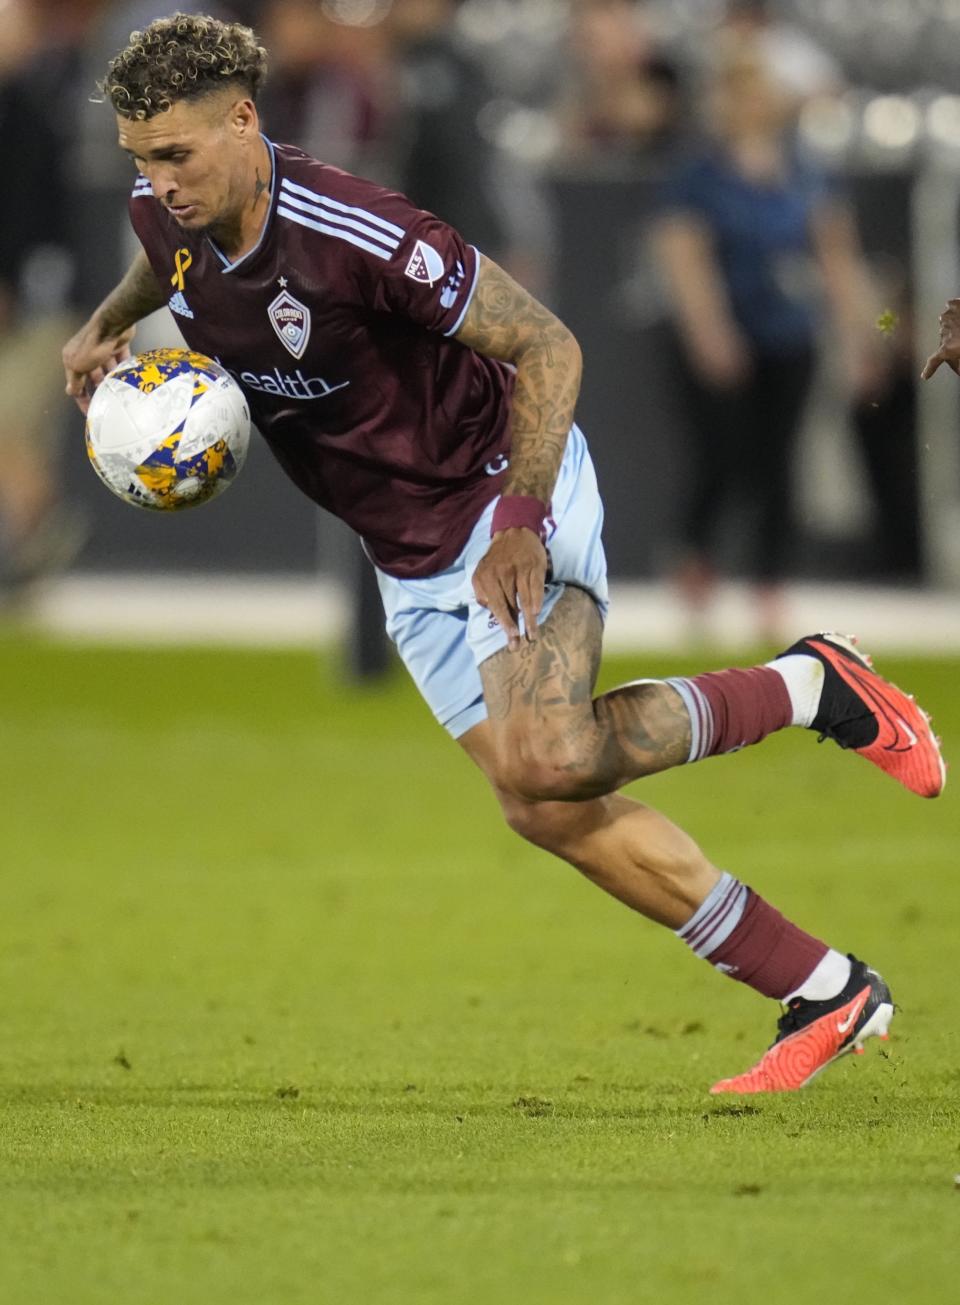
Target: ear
{"points": [[244, 120]]}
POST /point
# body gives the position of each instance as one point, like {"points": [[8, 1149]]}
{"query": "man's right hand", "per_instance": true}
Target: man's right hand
{"points": [[949, 351], [89, 355], [510, 580]]}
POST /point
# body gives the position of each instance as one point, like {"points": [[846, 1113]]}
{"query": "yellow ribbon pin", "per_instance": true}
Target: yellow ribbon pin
{"points": [[182, 260]]}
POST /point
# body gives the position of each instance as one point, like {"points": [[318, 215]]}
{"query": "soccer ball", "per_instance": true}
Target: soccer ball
{"points": [[168, 429]]}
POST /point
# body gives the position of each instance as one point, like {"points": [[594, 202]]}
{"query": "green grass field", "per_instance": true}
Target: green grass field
{"points": [[289, 1016]]}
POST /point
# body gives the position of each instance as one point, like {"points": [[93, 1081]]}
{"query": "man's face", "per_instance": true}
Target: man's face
{"points": [[195, 156]]}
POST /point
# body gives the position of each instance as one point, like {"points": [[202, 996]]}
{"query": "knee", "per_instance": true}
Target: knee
{"points": [[545, 824], [549, 771]]}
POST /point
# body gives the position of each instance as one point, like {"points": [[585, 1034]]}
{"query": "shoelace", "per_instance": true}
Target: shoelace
{"points": [[831, 731], [792, 1018], [790, 1021]]}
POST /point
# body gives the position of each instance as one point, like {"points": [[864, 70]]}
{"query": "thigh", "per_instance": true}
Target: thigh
{"points": [[546, 687]]}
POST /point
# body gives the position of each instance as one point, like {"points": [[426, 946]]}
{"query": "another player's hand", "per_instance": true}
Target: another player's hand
{"points": [[949, 351], [510, 581], [89, 355], [721, 359]]}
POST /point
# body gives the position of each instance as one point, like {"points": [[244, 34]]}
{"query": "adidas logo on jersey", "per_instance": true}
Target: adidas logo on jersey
{"points": [[177, 304]]}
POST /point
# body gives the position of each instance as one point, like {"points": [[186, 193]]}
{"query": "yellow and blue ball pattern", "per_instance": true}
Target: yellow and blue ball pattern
{"points": [[178, 447], [163, 473], [148, 370]]}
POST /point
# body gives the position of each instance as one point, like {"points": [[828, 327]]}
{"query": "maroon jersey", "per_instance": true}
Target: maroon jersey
{"points": [[337, 327]]}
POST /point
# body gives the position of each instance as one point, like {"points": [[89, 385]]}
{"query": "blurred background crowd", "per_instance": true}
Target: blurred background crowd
{"points": [[745, 209]]}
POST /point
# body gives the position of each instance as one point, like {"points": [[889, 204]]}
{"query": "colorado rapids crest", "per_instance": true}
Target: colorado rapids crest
{"points": [[291, 321]]}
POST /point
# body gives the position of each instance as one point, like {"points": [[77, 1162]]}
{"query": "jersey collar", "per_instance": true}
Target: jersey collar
{"points": [[232, 266]]}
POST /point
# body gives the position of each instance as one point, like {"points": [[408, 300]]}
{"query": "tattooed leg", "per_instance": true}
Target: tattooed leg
{"points": [[553, 739]]}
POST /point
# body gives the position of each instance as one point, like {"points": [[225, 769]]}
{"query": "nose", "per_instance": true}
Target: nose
{"points": [[164, 182]]}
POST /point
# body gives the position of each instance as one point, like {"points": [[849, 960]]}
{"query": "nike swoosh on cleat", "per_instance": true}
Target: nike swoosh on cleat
{"points": [[913, 737], [903, 738], [844, 1025], [899, 736]]}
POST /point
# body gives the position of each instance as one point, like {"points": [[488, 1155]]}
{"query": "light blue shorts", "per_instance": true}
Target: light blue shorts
{"points": [[441, 631]]}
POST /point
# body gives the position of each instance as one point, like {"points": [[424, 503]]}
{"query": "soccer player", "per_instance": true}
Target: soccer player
{"points": [[406, 383]]}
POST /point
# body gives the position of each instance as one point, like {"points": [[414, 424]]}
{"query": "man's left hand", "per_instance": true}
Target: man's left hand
{"points": [[510, 581]]}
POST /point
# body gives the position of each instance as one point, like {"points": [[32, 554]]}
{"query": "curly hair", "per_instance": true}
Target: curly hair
{"points": [[182, 57]]}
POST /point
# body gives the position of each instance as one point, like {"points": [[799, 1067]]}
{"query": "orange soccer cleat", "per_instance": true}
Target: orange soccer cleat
{"points": [[813, 1034], [861, 710]]}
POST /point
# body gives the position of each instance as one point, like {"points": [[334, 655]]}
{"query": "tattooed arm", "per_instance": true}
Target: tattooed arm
{"points": [[103, 341], [505, 322]]}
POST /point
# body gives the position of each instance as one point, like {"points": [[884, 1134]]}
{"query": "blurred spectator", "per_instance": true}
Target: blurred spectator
{"points": [[803, 68], [625, 90], [389, 91], [36, 532], [330, 85], [446, 164], [749, 237], [884, 422]]}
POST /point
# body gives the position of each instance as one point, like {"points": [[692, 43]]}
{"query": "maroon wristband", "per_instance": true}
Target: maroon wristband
{"points": [[521, 510]]}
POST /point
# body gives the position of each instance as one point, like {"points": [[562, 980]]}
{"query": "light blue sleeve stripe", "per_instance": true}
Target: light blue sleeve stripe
{"points": [[459, 322], [326, 229], [319, 213], [363, 213]]}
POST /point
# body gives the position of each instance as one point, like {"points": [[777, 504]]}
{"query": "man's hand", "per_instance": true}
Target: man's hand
{"points": [[510, 580], [104, 341], [721, 359], [89, 356], [949, 351]]}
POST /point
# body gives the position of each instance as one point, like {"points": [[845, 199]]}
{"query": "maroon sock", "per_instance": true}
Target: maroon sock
{"points": [[767, 952], [731, 709]]}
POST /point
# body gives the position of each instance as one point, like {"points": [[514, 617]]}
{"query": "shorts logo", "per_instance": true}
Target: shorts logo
{"points": [[291, 321], [425, 265]]}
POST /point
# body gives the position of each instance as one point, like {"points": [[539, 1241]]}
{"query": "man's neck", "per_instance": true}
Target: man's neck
{"points": [[242, 235]]}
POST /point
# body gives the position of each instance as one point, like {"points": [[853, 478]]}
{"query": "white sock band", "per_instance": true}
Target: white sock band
{"points": [[829, 978], [803, 677]]}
